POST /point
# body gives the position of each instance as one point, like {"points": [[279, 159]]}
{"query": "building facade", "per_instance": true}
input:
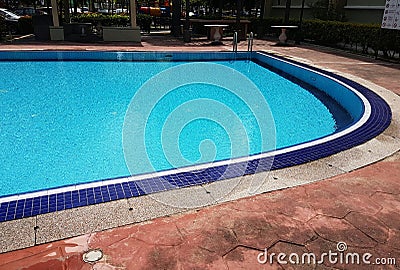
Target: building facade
{"points": [[360, 11]]}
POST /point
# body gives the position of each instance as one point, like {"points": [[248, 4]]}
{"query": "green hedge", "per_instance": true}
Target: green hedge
{"points": [[142, 20], [365, 38], [100, 19]]}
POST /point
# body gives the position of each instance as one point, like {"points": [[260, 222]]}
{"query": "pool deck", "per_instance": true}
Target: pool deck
{"points": [[353, 198]]}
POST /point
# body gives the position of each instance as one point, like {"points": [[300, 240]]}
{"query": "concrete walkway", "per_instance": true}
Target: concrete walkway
{"points": [[356, 212]]}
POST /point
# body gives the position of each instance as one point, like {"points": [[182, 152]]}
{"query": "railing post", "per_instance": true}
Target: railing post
{"points": [[250, 42], [235, 42]]}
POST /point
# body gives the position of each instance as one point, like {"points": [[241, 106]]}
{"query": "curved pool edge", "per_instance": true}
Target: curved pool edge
{"points": [[62, 198], [78, 221], [375, 149]]}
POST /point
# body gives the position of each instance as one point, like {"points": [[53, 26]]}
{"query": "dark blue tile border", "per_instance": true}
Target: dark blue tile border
{"points": [[378, 121]]}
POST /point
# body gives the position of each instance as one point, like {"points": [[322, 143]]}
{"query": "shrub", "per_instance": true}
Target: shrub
{"points": [[143, 20], [100, 19], [365, 38]]}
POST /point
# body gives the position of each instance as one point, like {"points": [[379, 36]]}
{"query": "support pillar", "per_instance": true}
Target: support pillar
{"points": [[133, 13], [56, 31], [54, 13]]}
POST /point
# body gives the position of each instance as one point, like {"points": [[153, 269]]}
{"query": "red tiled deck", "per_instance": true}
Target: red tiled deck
{"points": [[360, 208]]}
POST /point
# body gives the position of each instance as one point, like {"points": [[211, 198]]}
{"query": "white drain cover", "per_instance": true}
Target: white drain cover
{"points": [[92, 256]]}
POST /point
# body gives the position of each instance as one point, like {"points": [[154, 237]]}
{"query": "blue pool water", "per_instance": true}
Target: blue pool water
{"points": [[62, 122]]}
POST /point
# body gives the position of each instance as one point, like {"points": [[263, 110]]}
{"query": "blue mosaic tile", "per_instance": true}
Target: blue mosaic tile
{"points": [[97, 191], [135, 189], [3, 211], [91, 200], [3, 208], [44, 204], [104, 194], [127, 190], [119, 191], [53, 199], [10, 215], [82, 197], [68, 200], [75, 198], [19, 211], [112, 192], [60, 202], [28, 207], [144, 186], [90, 193], [98, 196], [53, 207], [36, 206]]}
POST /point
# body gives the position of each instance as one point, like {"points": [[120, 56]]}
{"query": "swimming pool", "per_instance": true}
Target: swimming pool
{"points": [[369, 116]]}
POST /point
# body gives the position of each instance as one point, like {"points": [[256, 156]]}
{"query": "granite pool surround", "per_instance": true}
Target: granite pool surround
{"points": [[370, 112]]}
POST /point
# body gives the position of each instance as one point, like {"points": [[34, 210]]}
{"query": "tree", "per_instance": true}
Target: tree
{"points": [[287, 11], [331, 10], [176, 18]]}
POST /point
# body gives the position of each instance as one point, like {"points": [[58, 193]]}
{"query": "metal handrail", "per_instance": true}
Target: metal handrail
{"points": [[235, 42], [250, 42]]}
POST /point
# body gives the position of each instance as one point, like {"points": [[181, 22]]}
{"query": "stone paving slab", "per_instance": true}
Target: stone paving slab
{"points": [[82, 220], [17, 234]]}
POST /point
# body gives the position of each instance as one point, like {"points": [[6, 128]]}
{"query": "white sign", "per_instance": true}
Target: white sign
{"points": [[391, 15]]}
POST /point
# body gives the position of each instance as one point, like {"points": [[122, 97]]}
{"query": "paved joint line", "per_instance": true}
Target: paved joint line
{"points": [[288, 242], [243, 246], [179, 231], [35, 228], [206, 249]]}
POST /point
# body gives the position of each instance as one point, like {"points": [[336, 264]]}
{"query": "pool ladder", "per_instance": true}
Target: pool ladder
{"points": [[235, 42], [249, 44]]}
